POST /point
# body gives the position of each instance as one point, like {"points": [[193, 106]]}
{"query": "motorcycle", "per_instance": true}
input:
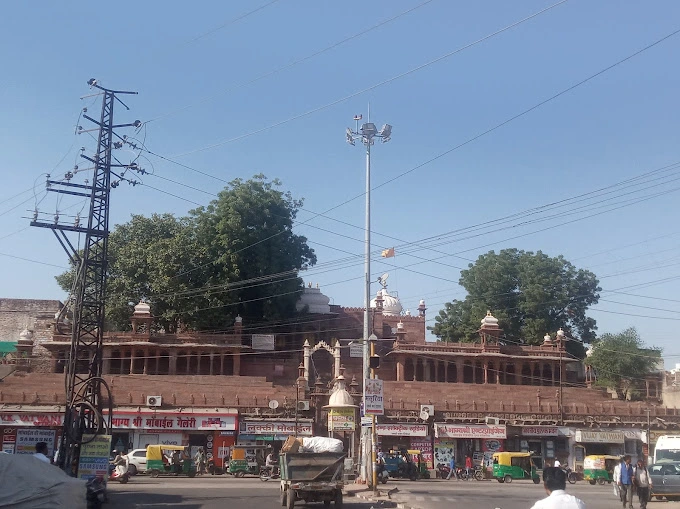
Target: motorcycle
{"points": [[381, 473], [572, 476], [267, 473], [96, 493], [120, 472]]}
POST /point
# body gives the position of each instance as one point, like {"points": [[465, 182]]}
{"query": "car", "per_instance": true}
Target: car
{"points": [[665, 480], [137, 461]]}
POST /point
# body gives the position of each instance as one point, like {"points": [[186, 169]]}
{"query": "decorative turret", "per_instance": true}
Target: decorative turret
{"points": [[238, 325], [313, 301], [547, 341], [422, 308], [401, 332], [561, 337], [141, 319], [489, 331], [24, 346]]}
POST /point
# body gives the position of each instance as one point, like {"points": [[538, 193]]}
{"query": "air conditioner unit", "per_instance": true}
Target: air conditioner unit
{"points": [[428, 409], [492, 420], [153, 401], [302, 405]]}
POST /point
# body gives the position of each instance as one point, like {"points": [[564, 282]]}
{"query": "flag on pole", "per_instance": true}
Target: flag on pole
{"points": [[387, 253]]}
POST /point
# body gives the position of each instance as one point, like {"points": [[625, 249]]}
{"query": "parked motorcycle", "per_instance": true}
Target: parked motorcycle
{"points": [[381, 473], [96, 493]]}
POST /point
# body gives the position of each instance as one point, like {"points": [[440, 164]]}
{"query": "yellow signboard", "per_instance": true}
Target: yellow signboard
{"points": [[341, 419]]}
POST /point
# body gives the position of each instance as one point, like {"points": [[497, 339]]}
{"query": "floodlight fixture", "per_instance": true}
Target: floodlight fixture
{"points": [[350, 136], [369, 130]]}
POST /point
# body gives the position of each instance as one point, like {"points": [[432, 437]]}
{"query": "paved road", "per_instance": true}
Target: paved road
{"points": [[438, 494], [208, 492]]}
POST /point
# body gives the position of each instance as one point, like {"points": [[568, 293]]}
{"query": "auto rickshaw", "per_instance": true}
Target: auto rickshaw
{"points": [[514, 465], [157, 463], [599, 468], [400, 465], [246, 460], [421, 464]]}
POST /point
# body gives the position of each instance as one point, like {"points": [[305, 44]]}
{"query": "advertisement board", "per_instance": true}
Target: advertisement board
{"points": [[167, 421], [401, 430], [341, 419], [374, 404], [262, 342], [94, 457], [470, 431], [27, 438], [274, 428], [600, 437]]}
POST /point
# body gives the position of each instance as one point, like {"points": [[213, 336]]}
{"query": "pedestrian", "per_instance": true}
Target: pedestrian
{"points": [[626, 483], [468, 466], [616, 478], [199, 461], [41, 452], [555, 484], [557, 464], [643, 483], [452, 468]]}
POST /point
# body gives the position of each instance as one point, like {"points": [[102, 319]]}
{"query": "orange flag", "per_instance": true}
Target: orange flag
{"points": [[387, 253]]}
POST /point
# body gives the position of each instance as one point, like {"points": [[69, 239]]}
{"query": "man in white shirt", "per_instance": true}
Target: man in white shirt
{"points": [[41, 452], [616, 478], [555, 483], [557, 463]]}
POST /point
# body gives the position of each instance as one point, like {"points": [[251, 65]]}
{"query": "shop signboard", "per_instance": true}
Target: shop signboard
{"points": [[94, 456], [373, 395], [425, 448], [401, 430], [600, 437], [356, 350], [341, 419], [262, 342], [44, 420], [167, 422], [486, 431], [539, 431], [27, 438], [275, 428]]}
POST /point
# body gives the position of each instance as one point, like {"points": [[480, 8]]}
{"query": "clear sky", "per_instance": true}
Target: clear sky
{"points": [[253, 78]]}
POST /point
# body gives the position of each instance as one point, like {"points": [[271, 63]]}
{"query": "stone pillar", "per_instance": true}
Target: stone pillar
{"points": [[552, 371], [400, 369], [459, 370], [446, 371], [336, 358], [647, 387], [212, 358], [146, 362], [474, 372], [221, 363], [498, 366], [486, 372], [106, 362], [172, 363], [237, 363], [158, 363], [188, 362]]}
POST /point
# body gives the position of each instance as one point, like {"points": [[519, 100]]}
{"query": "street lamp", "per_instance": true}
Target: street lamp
{"points": [[367, 133]]}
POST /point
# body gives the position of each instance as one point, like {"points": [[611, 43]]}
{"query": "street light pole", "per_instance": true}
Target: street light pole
{"points": [[649, 438], [367, 134]]}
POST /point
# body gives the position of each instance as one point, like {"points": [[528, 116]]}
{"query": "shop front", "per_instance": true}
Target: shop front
{"points": [[398, 436], [609, 442], [479, 441], [545, 443], [22, 431], [275, 432], [215, 432]]}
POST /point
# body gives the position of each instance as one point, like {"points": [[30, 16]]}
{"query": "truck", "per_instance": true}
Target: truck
{"points": [[311, 477], [667, 449]]}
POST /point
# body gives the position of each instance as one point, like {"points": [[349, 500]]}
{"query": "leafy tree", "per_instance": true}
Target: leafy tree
{"points": [[530, 294], [621, 361], [200, 271]]}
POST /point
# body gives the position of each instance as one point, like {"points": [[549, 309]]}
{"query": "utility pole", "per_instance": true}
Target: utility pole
{"points": [[84, 401], [649, 438], [367, 134]]}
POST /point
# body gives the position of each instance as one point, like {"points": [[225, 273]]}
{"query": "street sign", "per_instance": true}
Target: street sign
{"points": [[374, 404], [356, 350]]}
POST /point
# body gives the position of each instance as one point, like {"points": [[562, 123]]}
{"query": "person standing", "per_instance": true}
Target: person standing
{"points": [[41, 452], [643, 483], [557, 463], [452, 468], [468, 466], [626, 483], [555, 484], [616, 477]]}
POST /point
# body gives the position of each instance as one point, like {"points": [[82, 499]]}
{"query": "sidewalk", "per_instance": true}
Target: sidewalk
{"points": [[388, 495]]}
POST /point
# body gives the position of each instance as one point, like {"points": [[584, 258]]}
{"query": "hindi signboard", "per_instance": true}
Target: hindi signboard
{"points": [[470, 431], [356, 350], [374, 404], [27, 438], [401, 430], [262, 342], [94, 457], [341, 419]]}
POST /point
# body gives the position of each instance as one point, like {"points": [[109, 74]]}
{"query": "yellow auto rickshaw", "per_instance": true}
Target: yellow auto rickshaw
{"points": [[514, 465], [599, 468], [178, 462]]}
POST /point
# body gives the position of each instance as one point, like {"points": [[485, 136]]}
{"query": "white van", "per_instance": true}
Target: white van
{"points": [[667, 449]]}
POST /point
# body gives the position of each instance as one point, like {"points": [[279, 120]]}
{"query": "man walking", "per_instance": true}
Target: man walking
{"points": [[452, 468], [555, 484], [626, 483], [643, 483]]}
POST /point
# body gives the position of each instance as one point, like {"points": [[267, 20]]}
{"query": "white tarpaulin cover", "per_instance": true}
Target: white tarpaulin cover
{"points": [[321, 444], [28, 483]]}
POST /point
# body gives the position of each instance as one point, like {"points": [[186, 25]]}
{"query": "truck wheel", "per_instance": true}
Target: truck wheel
{"points": [[284, 498], [338, 499], [290, 499]]}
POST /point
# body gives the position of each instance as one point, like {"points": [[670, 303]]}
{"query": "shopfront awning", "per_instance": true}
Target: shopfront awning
{"points": [[600, 437]]}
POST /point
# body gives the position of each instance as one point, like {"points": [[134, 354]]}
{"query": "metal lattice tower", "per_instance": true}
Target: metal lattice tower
{"points": [[84, 400]]}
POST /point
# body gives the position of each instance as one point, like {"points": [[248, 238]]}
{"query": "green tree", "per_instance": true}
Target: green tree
{"points": [[530, 294], [238, 255], [621, 362]]}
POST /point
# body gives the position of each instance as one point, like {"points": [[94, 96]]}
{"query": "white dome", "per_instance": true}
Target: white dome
{"points": [[341, 398], [391, 305], [26, 336], [142, 309], [489, 320], [315, 301]]}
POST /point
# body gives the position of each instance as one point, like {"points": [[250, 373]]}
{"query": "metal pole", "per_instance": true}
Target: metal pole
{"points": [[367, 302], [649, 438], [374, 451]]}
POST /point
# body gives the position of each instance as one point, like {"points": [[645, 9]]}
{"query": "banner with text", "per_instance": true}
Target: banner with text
{"points": [[470, 431], [274, 428], [94, 457], [401, 430], [47, 420], [539, 431], [600, 437], [374, 404], [341, 419], [174, 422], [263, 342]]}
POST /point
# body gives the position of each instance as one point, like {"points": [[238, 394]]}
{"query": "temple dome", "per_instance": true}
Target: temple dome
{"points": [[26, 337], [340, 398], [391, 304], [489, 320], [315, 301], [142, 309]]}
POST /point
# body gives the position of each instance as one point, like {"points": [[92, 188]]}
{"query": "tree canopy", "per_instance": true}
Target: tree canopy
{"points": [[530, 293], [622, 361], [237, 255]]}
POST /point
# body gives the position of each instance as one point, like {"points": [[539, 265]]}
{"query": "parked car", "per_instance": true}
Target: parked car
{"points": [[137, 460], [665, 481]]}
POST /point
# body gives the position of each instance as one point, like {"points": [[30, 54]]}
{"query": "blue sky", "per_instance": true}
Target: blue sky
{"points": [[195, 68]]}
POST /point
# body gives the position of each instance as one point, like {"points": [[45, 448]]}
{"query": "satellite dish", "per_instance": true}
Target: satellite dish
{"points": [[424, 415], [273, 404], [383, 279]]}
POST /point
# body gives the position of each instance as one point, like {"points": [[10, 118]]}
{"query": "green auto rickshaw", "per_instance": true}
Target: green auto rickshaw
{"points": [[169, 460], [514, 465], [246, 460], [599, 468]]}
